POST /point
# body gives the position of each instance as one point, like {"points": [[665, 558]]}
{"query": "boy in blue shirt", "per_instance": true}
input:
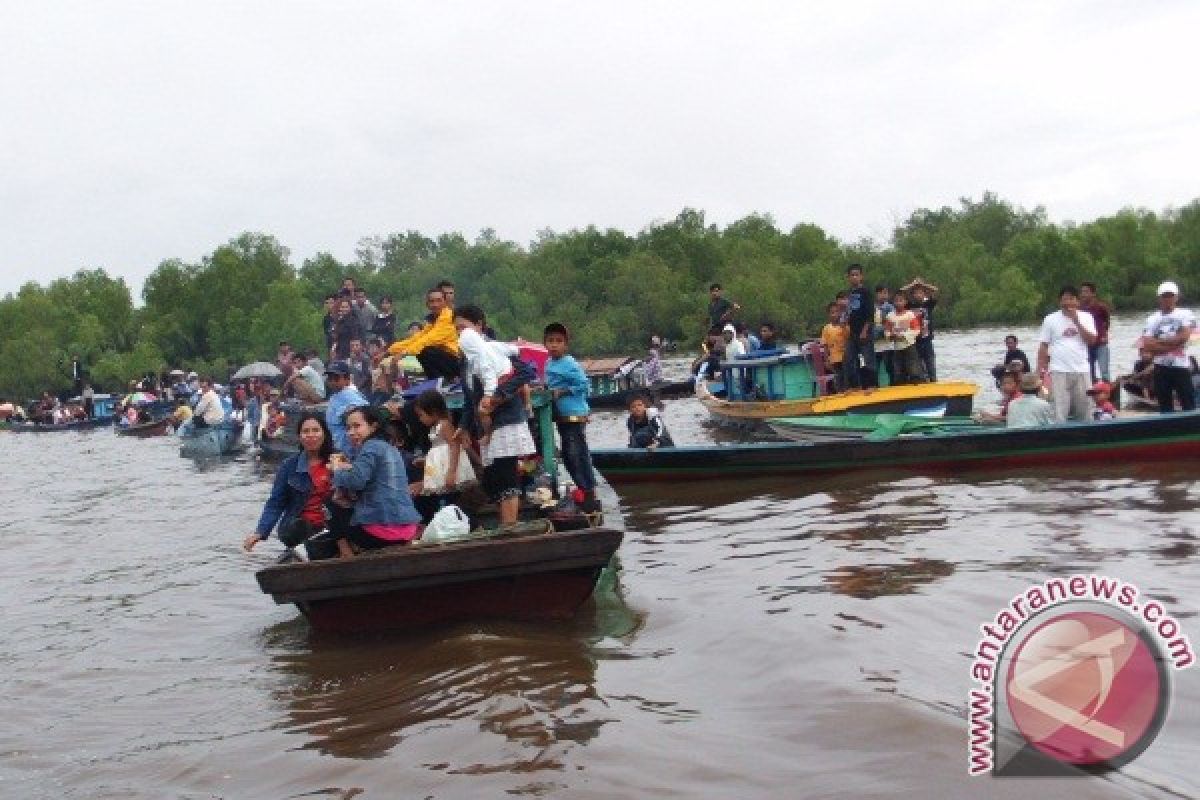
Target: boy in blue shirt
{"points": [[568, 386]]}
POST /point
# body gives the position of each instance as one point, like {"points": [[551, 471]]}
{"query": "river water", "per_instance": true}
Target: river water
{"points": [[767, 638]]}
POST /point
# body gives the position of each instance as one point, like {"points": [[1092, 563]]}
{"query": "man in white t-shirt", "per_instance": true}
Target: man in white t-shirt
{"points": [[1063, 353], [1166, 337]]}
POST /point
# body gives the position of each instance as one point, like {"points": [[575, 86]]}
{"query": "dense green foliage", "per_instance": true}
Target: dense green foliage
{"points": [[993, 263]]}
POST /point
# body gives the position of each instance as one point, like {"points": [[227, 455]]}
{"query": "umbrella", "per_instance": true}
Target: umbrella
{"points": [[259, 369], [137, 398], [178, 372]]}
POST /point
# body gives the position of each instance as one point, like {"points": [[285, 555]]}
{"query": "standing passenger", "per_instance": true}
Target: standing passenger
{"points": [[859, 363], [568, 386], [1168, 331], [1098, 355], [343, 396], [1063, 354]]}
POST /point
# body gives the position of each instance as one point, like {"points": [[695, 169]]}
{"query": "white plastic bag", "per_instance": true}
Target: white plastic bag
{"points": [[435, 479], [448, 525]]}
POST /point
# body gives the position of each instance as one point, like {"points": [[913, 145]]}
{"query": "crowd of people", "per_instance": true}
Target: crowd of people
{"points": [[890, 332], [1070, 379], [372, 467]]}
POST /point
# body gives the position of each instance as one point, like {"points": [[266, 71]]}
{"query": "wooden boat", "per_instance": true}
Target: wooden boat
{"points": [[210, 442], [278, 448], [38, 427], [144, 430], [1158, 437], [544, 574], [760, 387], [613, 381]]}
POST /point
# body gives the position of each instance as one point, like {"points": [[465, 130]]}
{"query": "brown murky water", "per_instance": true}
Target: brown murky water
{"points": [[767, 638]]}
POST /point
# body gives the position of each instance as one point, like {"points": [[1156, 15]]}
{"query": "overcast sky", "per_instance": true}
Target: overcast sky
{"points": [[136, 132]]}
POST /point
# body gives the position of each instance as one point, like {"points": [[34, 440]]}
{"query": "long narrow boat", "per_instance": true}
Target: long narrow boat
{"points": [[158, 427], [37, 427], [767, 385], [531, 575], [210, 442], [1165, 437], [871, 426]]}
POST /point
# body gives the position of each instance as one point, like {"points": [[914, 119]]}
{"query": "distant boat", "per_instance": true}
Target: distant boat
{"points": [[210, 441], [768, 385], [1155, 437], [79, 426], [613, 381], [145, 430]]}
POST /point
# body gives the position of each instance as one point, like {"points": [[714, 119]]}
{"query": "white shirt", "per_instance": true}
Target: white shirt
{"points": [[734, 349], [1167, 326], [210, 409], [486, 360], [1068, 350]]}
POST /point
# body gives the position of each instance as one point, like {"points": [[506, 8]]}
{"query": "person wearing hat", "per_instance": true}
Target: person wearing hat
{"points": [[1063, 346], [1028, 409], [1166, 337], [1102, 407], [343, 396]]}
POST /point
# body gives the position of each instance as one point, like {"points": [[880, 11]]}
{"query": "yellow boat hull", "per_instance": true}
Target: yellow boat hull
{"points": [[957, 396]]}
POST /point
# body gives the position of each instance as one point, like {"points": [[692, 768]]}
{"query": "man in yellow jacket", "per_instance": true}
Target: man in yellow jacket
{"points": [[436, 344]]}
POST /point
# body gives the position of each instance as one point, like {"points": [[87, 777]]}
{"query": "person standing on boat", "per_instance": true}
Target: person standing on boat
{"points": [[1063, 355], [436, 344], [924, 300], [768, 337], [720, 308], [1098, 356], [568, 385], [1166, 337], [902, 328], [385, 321], [89, 400], [859, 363], [343, 396], [883, 343], [303, 484], [833, 339]]}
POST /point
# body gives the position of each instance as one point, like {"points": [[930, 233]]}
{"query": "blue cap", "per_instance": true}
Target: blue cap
{"points": [[338, 368]]}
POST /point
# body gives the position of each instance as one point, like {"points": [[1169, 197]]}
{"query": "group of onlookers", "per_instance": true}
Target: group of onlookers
{"points": [[1070, 380]]}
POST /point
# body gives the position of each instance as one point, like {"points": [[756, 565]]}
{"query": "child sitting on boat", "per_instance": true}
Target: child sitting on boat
{"points": [[1103, 408], [1010, 389], [447, 468], [646, 427]]}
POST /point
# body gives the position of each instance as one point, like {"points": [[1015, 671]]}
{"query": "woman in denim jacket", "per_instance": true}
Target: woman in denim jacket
{"points": [[383, 512], [303, 484]]}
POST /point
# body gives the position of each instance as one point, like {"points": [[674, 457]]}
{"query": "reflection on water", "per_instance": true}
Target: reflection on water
{"points": [[766, 638]]}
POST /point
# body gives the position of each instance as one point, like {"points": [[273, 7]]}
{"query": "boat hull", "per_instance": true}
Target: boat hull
{"points": [[146, 430], [957, 398], [1169, 437], [211, 442], [536, 576], [36, 427]]}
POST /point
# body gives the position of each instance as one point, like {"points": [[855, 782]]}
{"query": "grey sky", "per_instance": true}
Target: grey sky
{"points": [[135, 132]]}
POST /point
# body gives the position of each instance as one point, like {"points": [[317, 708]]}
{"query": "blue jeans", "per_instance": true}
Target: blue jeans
{"points": [[1099, 357], [576, 456]]}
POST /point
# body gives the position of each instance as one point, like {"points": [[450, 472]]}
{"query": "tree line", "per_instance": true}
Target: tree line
{"points": [[994, 263]]}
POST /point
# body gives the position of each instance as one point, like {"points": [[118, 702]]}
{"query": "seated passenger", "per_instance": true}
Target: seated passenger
{"points": [[447, 467], [383, 514], [305, 383], [1010, 389], [646, 427], [1013, 360], [1103, 408], [1030, 410], [303, 484], [436, 344], [1140, 382], [209, 410]]}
